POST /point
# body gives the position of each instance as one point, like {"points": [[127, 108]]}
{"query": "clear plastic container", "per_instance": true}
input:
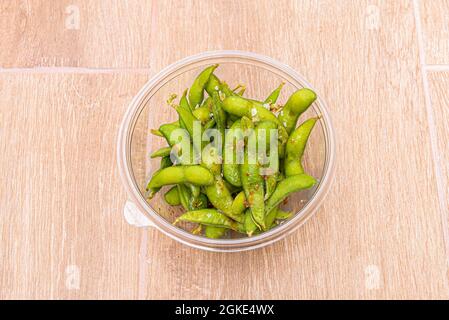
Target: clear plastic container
{"points": [[149, 110]]}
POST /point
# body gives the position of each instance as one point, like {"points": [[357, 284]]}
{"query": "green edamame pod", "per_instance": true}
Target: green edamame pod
{"points": [[209, 124], [213, 85], [252, 183], [187, 118], [234, 143], [218, 194], [226, 90], [172, 197], [208, 217], [249, 226], [221, 198], [184, 196], [183, 102], [162, 152], [202, 114], [211, 161], [196, 92], [232, 189], [239, 204], [276, 214], [167, 130], [288, 186], [231, 170], [241, 91], [295, 106], [294, 149], [208, 103], [240, 107], [271, 217], [283, 215], [270, 185], [165, 163], [194, 190], [199, 202], [156, 132], [219, 114], [265, 138], [214, 232], [181, 174], [273, 97]]}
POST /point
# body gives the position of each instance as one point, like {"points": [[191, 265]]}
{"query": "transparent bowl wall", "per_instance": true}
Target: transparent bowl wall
{"points": [[149, 110]]}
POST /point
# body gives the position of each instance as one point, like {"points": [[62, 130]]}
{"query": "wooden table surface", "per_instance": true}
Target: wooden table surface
{"points": [[69, 68]]}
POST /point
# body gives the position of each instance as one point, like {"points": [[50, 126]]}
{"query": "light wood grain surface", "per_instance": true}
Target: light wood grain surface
{"points": [[382, 231], [435, 19], [439, 93]]}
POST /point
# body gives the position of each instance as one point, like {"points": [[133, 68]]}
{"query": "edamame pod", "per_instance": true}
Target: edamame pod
{"points": [[165, 163], [199, 202], [208, 217], [218, 193], [181, 174], [214, 232], [187, 118], [221, 198], [252, 183], [167, 130], [196, 92], [295, 146], [183, 102], [239, 203], [234, 145], [213, 85], [283, 215], [162, 152], [194, 190], [249, 226], [270, 184], [231, 171], [156, 132], [172, 197], [276, 214], [273, 97], [240, 107], [207, 104], [264, 140], [184, 196], [288, 186], [219, 114], [202, 114], [295, 106], [241, 91], [209, 124]]}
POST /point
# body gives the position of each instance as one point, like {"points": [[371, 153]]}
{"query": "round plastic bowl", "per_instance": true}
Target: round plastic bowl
{"points": [[149, 110]]}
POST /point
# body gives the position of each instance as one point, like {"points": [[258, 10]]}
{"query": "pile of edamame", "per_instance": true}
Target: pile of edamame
{"points": [[218, 192]]}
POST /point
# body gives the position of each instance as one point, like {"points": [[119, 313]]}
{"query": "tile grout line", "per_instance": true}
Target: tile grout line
{"points": [[432, 128], [76, 70], [437, 68]]}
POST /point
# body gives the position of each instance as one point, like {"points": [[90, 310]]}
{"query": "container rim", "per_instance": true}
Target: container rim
{"points": [[225, 245]]}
